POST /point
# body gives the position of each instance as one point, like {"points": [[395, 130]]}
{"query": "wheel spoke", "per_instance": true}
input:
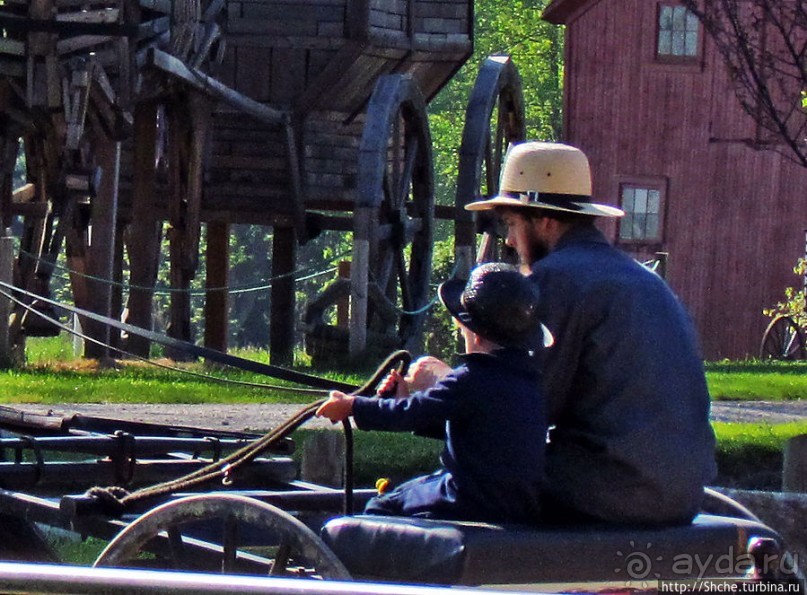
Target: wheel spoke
{"points": [[281, 561], [783, 339], [408, 170], [176, 546], [229, 543], [403, 279], [199, 511]]}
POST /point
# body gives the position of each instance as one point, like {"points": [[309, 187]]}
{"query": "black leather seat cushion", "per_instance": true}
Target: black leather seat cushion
{"points": [[411, 550]]}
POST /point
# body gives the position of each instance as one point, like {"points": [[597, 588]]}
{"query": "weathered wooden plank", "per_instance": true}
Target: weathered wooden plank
{"points": [[235, 162], [205, 83], [287, 75], [12, 68], [12, 47], [302, 12], [165, 6], [249, 61], [107, 15], [217, 276], [281, 325], [80, 42], [242, 35]]}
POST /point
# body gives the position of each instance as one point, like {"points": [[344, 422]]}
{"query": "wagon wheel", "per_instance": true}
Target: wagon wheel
{"points": [[783, 339], [393, 217], [494, 119], [294, 550]]}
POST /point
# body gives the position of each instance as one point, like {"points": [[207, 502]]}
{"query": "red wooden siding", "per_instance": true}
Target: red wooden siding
{"points": [[734, 220]]}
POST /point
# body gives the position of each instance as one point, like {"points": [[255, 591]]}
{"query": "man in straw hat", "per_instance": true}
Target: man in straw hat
{"points": [[624, 382]]}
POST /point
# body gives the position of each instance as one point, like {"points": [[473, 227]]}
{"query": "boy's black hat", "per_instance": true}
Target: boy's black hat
{"points": [[499, 304]]}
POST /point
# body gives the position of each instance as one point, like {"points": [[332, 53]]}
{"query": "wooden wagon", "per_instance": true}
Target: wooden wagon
{"points": [[300, 115], [262, 520]]}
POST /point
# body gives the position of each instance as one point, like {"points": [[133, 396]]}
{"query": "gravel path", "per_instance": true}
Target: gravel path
{"points": [[261, 418]]}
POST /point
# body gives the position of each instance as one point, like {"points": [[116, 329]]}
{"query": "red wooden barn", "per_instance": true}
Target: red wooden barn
{"points": [[648, 99]]}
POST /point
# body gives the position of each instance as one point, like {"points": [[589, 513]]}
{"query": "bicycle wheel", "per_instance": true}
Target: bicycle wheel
{"points": [[783, 340]]}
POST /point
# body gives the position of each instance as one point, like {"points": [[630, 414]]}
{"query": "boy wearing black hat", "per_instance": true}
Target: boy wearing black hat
{"points": [[490, 405]]}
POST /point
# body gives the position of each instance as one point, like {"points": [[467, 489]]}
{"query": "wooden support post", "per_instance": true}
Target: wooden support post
{"points": [[358, 297], [218, 275], [188, 130], [115, 338], [343, 303], [144, 231], [794, 477], [6, 276], [104, 218], [281, 325]]}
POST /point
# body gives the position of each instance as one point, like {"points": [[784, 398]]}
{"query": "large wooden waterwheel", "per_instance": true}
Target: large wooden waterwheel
{"points": [[494, 120], [393, 219]]}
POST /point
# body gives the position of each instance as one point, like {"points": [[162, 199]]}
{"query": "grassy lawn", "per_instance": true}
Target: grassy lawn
{"points": [[749, 455], [756, 380], [138, 382]]}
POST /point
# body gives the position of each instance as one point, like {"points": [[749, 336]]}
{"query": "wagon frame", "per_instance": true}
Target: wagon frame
{"points": [[271, 530]]}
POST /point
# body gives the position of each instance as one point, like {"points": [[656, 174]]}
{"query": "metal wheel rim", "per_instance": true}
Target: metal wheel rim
{"points": [[228, 507]]}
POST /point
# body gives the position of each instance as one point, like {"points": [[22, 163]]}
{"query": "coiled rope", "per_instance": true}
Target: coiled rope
{"points": [[116, 499]]}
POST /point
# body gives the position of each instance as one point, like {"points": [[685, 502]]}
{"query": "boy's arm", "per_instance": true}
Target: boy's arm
{"points": [[422, 412]]}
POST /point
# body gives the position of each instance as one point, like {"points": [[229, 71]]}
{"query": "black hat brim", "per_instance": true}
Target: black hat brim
{"points": [[450, 293]]}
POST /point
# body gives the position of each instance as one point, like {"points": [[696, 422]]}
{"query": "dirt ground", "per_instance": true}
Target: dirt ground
{"points": [[261, 418]]}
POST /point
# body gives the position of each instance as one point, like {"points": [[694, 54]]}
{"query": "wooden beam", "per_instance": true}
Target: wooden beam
{"points": [[218, 276], [202, 82], [104, 213], [24, 193], [144, 231], [281, 325], [165, 6]]}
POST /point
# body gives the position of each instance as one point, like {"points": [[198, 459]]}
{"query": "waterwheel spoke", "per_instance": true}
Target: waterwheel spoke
{"points": [[403, 280], [412, 148], [281, 561]]}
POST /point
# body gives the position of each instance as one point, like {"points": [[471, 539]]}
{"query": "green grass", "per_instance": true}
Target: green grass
{"points": [[141, 383], [750, 456], [756, 380], [53, 375]]}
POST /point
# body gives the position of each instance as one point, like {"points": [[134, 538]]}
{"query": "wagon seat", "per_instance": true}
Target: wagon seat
{"points": [[412, 550]]}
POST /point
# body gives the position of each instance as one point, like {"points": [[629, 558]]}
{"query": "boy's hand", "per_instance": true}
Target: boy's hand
{"points": [[425, 372], [338, 407], [394, 385]]}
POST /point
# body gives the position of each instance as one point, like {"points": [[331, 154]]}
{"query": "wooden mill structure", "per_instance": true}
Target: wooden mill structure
{"points": [[304, 115]]}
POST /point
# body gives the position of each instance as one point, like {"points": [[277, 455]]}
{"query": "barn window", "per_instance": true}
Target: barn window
{"points": [[643, 210], [678, 33]]}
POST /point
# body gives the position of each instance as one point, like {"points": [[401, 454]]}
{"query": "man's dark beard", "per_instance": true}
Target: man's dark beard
{"points": [[536, 250]]}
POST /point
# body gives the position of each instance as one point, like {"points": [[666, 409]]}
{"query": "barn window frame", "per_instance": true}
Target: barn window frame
{"points": [[644, 201], [670, 53]]}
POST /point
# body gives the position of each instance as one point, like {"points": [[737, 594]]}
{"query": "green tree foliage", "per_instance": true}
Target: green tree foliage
{"points": [[793, 304], [513, 28]]}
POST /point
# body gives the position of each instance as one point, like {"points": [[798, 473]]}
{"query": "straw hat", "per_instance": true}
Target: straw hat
{"points": [[550, 176], [499, 304]]}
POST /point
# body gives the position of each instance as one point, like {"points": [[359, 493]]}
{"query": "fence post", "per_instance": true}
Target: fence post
{"points": [[6, 276], [794, 476], [323, 458]]}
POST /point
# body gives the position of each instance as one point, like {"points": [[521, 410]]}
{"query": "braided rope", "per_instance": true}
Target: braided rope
{"points": [[117, 499]]}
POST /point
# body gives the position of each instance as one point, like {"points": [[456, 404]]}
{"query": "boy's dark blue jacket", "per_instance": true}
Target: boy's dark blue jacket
{"points": [[495, 433]]}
